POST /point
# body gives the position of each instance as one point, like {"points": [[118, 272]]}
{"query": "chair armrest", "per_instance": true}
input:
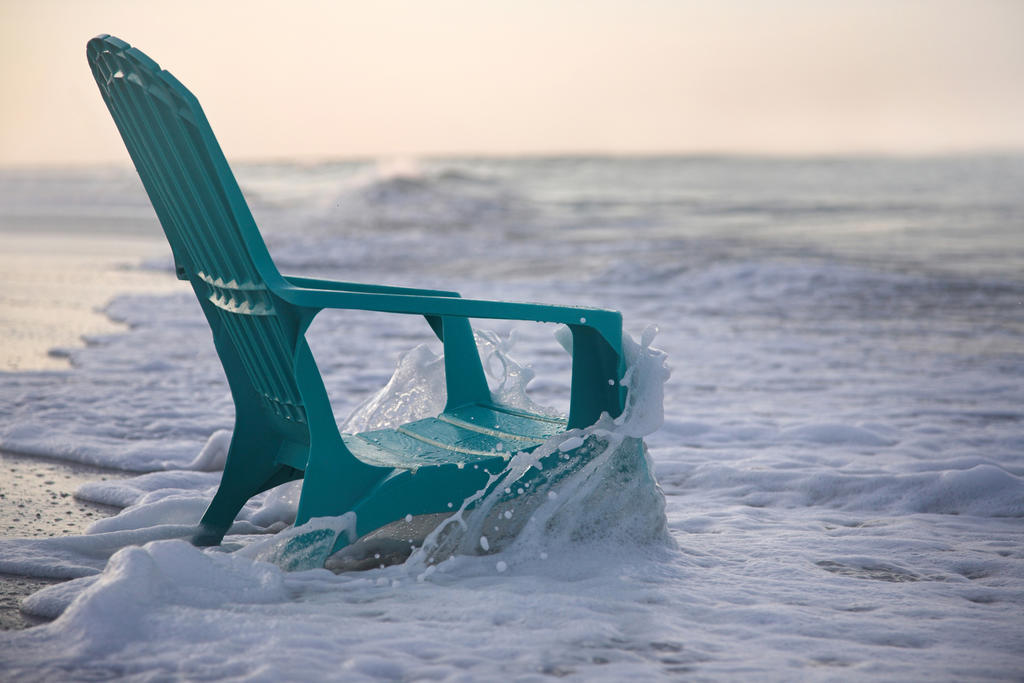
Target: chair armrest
{"points": [[597, 366], [607, 323], [334, 285]]}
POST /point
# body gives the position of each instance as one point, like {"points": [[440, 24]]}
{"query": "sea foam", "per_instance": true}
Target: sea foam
{"points": [[841, 456]]}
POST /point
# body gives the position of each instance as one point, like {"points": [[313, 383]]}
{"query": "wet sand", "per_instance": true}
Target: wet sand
{"points": [[56, 274], [53, 286], [37, 500]]}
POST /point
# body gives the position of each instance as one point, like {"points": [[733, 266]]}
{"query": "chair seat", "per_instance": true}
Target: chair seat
{"points": [[477, 434]]}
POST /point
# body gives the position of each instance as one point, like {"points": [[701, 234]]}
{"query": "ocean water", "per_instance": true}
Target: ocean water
{"points": [[839, 450]]}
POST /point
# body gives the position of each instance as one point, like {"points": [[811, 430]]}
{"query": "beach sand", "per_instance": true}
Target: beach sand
{"points": [[53, 287], [37, 499]]}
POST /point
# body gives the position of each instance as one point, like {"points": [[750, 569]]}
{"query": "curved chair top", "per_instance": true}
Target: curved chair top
{"points": [[182, 167]]}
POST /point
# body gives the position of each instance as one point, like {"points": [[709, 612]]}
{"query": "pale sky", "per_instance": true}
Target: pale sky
{"points": [[314, 80]]}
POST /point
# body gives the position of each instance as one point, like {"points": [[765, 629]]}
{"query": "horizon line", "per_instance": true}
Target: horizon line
{"points": [[313, 160]]}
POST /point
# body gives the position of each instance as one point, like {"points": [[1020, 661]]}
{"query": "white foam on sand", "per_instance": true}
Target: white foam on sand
{"points": [[606, 518], [591, 585]]}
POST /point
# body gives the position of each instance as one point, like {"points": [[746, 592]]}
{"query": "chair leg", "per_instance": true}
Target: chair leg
{"points": [[335, 480], [250, 469]]}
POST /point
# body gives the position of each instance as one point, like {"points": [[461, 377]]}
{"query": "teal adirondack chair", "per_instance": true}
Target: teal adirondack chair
{"points": [[285, 428]]}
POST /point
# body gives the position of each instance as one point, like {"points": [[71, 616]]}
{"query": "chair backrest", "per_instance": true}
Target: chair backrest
{"points": [[213, 236]]}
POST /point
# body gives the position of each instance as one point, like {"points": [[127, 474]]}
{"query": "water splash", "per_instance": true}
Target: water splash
{"points": [[583, 487], [417, 390]]}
